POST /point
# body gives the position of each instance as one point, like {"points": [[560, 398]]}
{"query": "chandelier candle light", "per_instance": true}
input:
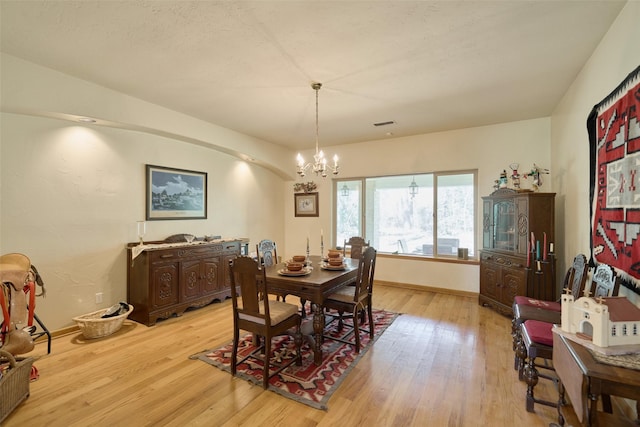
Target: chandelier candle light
{"points": [[319, 165]]}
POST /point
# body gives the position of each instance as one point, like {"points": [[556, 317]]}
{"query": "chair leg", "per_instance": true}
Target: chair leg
{"points": [[531, 378], [515, 336], [234, 352], [371, 325], [267, 356], [521, 357], [356, 329], [341, 321]]}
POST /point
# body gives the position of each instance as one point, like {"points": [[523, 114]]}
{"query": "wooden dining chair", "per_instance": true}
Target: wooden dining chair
{"points": [[356, 246], [526, 308], [267, 252], [352, 301], [254, 312], [605, 282], [537, 339]]}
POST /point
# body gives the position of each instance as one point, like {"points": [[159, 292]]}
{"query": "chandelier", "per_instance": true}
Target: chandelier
{"points": [[319, 165]]}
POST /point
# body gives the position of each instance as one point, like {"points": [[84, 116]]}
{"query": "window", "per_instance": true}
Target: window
{"points": [[425, 214]]}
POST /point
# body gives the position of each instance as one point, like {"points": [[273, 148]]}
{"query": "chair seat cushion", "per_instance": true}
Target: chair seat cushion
{"points": [[539, 332], [278, 311], [343, 295], [547, 305]]}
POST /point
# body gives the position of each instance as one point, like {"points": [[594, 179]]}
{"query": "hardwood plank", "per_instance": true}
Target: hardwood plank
{"points": [[445, 361]]}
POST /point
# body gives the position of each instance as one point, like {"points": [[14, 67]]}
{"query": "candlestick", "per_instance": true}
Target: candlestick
{"points": [[142, 230], [538, 265], [544, 246]]}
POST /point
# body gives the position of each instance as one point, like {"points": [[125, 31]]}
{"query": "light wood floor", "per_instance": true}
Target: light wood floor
{"points": [[445, 362]]}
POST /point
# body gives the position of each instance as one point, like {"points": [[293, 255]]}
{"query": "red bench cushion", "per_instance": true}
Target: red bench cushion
{"points": [[539, 332], [547, 305]]}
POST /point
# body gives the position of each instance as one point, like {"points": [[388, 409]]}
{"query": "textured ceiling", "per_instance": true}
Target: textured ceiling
{"points": [[427, 65]]}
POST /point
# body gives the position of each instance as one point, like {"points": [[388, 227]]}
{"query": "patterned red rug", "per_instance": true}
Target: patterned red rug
{"points": [[310, 384]]}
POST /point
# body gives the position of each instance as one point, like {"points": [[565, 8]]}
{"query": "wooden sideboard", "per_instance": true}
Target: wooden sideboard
{"points": [[509, 219], [166, 279]]}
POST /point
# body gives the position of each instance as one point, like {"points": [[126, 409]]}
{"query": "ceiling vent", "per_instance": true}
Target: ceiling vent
{"points": [[390, 122]]}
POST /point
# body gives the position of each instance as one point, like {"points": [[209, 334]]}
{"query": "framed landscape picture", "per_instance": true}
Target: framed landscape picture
{"points": [[306, 204], [175, 193]]}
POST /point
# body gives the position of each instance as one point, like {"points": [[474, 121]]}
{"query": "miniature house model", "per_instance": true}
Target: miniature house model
{"points": [[608, 321]]}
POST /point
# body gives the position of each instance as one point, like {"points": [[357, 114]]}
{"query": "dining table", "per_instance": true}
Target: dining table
{"points": [[314, 283]]}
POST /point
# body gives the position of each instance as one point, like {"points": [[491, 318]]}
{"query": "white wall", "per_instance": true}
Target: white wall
{"points": [[617, 55], [490, 149], [71, 194]]}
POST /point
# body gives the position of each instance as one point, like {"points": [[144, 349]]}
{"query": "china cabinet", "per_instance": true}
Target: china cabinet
{"points": [[517, 256], [165, 279]]}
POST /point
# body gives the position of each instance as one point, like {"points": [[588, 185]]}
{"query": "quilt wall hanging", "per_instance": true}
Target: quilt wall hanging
{"points": [[614, 141]]}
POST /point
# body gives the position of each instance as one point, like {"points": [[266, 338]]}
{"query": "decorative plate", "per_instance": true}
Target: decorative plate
{"points": [[303, 272], [326, 266]]}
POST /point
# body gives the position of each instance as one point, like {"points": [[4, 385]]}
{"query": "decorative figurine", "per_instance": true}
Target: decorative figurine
{"points": [[503, 179], [536, 174], [515, 176]]}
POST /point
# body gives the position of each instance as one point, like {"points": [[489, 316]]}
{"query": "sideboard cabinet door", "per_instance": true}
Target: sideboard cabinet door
{"points": [[164, 285]]}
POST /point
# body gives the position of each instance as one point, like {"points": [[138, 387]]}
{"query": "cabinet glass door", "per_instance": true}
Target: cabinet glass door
{"points": [[504, 225]]}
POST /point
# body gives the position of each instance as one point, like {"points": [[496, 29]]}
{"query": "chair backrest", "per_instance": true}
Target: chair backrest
{"points": [[605, 282], [366, 270], [247, 275], [266, 251], [356, 246], [578, 275]]}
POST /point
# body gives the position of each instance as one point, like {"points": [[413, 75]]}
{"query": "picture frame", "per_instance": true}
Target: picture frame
{"points": [[173, 193], [306, 204]]}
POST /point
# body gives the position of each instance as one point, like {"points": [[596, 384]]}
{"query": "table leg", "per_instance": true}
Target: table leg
{"points": [[318, 329], [560, 402], [592, 414]]}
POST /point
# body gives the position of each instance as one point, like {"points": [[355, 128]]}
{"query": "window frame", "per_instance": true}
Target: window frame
{"points": [[339, 182]]}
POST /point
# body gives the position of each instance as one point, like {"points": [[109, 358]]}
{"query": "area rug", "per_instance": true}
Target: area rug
{"points": [[309, 384]]}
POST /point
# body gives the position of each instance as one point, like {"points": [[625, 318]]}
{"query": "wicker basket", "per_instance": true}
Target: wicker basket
{"points": [[14, 384], [93, 326]]}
